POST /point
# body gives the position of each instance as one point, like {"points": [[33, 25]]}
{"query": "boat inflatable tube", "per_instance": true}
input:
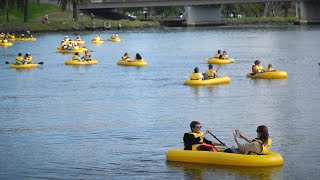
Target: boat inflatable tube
{"points": [[70, 62], [269, 75], [80, 42], [6, 44], [220, 80], [222, 158], [115, 40], [94, 41], [24, 66], [24, 39], [80, 50], [132, 63], [220, 61]]}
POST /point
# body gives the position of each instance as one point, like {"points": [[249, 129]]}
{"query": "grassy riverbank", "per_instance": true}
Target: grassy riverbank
{"points": [[260, 20], [63, 21], [60, 21]]}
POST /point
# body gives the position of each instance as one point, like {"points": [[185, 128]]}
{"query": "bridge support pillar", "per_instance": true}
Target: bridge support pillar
{"points": [[308, 12], [203, 15]]}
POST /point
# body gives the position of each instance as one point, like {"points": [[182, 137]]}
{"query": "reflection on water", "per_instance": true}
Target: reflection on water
{"points": [[207, 171]]}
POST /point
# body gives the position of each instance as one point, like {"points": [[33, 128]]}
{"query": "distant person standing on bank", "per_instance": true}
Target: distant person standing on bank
{"points": [[119, 25], [92, 16]]}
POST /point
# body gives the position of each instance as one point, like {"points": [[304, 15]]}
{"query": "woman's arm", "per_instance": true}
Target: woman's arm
{"points": [[245, 138]]}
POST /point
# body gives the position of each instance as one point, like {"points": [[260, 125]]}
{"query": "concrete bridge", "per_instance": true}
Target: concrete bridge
{"points": [[206, 12]]}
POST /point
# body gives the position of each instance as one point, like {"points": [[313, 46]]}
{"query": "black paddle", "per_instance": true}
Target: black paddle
{"points": [[218, 139], [88, 49]]}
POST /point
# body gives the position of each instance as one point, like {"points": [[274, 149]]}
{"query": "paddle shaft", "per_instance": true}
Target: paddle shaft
{"points": [[217, 139]]}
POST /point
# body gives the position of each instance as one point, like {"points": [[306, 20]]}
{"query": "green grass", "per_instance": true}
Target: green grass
{"points": [[36, 12], [260, 20]]}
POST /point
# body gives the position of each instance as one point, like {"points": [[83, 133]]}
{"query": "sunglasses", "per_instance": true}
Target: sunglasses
{"points": [[199, 127]]}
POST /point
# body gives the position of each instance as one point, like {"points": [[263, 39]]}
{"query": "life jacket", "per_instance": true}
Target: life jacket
{"points": [[87, 57], [196, 135], [216, 55], [264, 147], [19, 59], [126, 58], [75, 57], [210, 73], [269, 69], [29, 59], [201, 145], [256, 68], [5, 41], [195, 76]]}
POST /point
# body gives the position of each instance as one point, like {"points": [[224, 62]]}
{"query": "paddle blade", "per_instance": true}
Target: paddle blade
{"points": [[6, 62], [40, 63], [206, 59]]}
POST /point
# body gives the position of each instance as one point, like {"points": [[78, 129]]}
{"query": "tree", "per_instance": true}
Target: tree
{"points": [[26, 11], [65, 3]]}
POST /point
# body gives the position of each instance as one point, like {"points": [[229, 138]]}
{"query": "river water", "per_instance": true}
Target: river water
{"points": [[112, 122]]}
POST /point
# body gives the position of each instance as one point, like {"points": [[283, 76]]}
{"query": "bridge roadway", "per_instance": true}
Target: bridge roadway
{"points": [[98, 4], [206, 12]]}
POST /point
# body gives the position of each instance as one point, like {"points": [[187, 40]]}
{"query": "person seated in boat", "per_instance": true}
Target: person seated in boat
{"points": [[259, 145], [66, 38], [257, 68], [28, 59], [126, 57], [224, 55], [269, 69], [97, 38], [116, 36], [196, 75], [76, 57], [211, 73], [4, 40], [86, 56], [12, 36], [217, 55], [30, 35], [112, 36], [19, 59], [196, 141], [78, 38], [138, 57], [22, 36]]}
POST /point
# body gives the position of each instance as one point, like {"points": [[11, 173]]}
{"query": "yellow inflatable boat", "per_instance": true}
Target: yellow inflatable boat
{"points": [[269, 75], [132, 63], [115, 40], [222, 158], [24, 66], [24, 39], [6, 44], [80, 50], [220, 80], [220, 61], [96, 41], [70, 62], [80, 42]]}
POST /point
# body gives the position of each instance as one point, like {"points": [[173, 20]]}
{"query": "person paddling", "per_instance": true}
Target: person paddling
{"points": [[19, 59], [196, 141], [217, 55], [126, 57], [211, 73], [86, 56], [257, 68], [76, 57]]}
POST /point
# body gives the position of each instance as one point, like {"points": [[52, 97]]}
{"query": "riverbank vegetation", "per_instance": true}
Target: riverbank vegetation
{"points": [[13, 16]]}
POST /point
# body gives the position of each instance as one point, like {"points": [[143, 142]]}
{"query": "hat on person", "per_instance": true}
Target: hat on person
{"points": [[257, 61], [210, 66], [196, 69]]}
